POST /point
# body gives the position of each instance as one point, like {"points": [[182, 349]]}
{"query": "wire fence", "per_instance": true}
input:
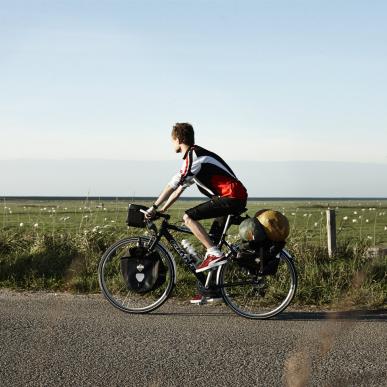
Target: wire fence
{"points": [[355, 220]]}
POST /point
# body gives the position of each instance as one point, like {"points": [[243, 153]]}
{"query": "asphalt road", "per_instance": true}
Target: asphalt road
{"points": [[51, 340]]}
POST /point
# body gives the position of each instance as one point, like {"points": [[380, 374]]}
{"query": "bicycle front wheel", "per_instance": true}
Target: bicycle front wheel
{"points": [[116, 290], [258, 297]]}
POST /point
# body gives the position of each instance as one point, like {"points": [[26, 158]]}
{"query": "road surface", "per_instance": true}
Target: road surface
{"points": [[52, 339]]}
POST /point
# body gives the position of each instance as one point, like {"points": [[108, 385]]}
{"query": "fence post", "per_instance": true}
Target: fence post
{"points": [[331, 231]]}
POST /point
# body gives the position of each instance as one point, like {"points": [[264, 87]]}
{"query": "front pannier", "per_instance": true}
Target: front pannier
{"points": [[135, 216], [142, 270]]}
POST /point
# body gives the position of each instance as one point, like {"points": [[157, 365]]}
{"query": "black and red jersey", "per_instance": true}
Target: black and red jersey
{"points": [[211, 174]]}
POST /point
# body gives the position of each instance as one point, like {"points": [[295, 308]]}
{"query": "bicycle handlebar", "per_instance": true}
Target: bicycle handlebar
{"points": [[158, 215]]}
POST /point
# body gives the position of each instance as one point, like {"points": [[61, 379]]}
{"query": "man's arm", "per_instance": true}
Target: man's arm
{"points": [[174, 188], [167, 192], [172, 198]]}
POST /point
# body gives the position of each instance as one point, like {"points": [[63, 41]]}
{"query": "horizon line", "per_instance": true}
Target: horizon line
{"points": [[174, 160], [256, 198]]}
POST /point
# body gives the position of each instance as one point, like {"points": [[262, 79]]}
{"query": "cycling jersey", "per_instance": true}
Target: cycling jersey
{"points": [[211, 174]]}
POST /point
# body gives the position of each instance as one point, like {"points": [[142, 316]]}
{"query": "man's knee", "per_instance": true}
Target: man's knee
{"points": [[187, 219]]}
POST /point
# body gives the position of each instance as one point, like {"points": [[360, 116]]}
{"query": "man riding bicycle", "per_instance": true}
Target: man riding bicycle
{"points": [[214, 179]]}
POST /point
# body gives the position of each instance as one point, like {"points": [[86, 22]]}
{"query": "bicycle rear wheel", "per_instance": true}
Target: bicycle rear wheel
{"points": [[258, 297], [116, 290]]}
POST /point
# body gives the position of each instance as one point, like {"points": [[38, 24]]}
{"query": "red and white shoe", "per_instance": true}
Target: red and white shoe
{"points": [[210, 262], [197, 299]]}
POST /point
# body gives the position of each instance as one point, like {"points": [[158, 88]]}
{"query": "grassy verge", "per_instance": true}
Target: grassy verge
{"points": [[63, 261]]}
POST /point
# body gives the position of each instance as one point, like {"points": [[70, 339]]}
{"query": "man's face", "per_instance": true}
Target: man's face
{"points": [[176, 145]]}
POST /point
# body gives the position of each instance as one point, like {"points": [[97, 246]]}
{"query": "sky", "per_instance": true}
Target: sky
{"points": [[261, 81]]}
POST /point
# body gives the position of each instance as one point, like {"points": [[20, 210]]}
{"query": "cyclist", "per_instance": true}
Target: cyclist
{"points": [[216, 180]]}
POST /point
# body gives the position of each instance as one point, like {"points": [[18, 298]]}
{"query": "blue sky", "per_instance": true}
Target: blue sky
{"points": [[259, 80]]}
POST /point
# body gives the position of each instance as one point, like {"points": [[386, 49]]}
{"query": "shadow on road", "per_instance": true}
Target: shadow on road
{"points": [[189, 313], [358, 315]]}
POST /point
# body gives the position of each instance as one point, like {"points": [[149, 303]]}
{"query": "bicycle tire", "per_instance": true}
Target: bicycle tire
{"points": [[263, 298], [112, 284]]}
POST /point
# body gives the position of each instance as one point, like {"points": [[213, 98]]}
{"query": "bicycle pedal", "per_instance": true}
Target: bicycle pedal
{"points": [[203, 301]]}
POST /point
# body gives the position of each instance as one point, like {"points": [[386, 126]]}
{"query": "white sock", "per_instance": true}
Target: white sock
{"points": [[214, 251]]}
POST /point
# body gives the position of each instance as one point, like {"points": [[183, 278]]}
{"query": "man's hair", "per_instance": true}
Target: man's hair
{"points": [[184, 132]]}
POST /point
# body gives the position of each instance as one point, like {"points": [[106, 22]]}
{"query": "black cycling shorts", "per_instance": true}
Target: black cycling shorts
{"points": [[216, 207]]}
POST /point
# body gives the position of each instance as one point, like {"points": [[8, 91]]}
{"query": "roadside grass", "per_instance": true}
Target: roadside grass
{"points": [[68, 261], [351, 276]]}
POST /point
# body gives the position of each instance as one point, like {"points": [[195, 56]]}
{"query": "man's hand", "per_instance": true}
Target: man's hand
{"points": [[150, 213]]}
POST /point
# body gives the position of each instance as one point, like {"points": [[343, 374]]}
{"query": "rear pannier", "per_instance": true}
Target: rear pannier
{"points": [[258, 252], [260, 258]]}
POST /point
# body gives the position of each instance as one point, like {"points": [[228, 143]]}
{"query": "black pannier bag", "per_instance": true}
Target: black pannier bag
{"points": [[142, 270], [135, 217], [260, 258]]}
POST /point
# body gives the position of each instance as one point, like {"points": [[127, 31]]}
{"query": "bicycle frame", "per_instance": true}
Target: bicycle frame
{"points": [[229, 277], [187, 259]]}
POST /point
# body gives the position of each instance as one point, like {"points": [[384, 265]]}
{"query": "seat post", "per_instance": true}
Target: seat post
{"points": [[225, 229], [226, 225]]}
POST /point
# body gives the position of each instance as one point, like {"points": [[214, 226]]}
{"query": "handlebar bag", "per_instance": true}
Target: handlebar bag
{"points": [[135, 217], [142, 270]]}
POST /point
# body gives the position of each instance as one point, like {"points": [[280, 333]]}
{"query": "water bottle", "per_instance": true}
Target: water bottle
{"points": [[190, 250]]}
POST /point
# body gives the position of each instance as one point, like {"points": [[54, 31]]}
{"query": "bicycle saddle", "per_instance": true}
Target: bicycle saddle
{"points": [[240, 212], [236, 217]]}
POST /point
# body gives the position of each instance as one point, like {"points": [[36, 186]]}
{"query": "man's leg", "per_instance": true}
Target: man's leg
{"points": [[214, 208], [206, 210], [199, 231], [214, 257]]}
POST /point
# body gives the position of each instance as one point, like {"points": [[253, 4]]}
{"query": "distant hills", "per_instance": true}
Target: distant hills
{"points": [[147, 178]]}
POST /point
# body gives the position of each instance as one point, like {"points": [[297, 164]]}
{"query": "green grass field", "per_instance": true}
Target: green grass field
{"points": [[57, 244], [356, 219]]}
